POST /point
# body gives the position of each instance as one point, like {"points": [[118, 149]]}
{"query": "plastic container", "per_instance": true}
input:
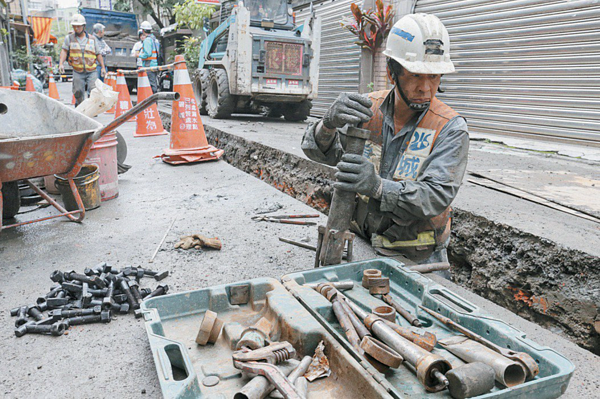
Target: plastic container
{"points": [[87, 185], [303, 317], [103, 154]]}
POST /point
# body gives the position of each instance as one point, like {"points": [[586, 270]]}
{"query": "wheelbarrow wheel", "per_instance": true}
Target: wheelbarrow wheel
{"points": [[11, 200]]}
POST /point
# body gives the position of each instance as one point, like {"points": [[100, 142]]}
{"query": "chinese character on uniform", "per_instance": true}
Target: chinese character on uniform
{"points": [[409, 166]]}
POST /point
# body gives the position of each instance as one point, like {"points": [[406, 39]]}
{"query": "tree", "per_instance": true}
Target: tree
{"points": [[155, 8]]}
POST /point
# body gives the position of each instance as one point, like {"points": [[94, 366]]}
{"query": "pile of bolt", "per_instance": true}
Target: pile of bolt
{"points": [[92, 297], [379, 339]]}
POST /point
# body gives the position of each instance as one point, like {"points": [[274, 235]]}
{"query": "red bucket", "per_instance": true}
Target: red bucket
{"points": [[104, 155]]}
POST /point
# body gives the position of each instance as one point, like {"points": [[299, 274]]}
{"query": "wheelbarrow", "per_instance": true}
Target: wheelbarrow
{"points": [[40, 136]]}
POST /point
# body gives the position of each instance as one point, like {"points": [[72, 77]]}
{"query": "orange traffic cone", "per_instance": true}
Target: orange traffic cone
{"points": [[124, 101], [188, 141], [29, 83], [112, 82], [52, 89], [148, 121], [73, 101]]}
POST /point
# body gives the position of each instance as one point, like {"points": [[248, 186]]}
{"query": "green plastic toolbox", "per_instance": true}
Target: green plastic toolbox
{"points": [[304, 318]]}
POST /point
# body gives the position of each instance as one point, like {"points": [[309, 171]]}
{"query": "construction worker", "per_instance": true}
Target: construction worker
{"points": [[416, 157], [135, 50], [104, 47], [83, 54], [149, 53]]}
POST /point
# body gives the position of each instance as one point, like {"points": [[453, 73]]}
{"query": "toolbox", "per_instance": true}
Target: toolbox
{"points": [[300, 315]]}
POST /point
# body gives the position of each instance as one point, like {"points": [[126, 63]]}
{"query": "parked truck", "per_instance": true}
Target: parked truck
{"points": [[259, 61], [120, 34]]}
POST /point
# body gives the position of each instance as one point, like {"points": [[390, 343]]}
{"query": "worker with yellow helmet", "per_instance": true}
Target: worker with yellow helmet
{"points": [[415, 160]]}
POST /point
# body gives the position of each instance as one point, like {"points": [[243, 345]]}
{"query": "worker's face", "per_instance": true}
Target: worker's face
{"points": [[418, 88], [143, 36], [100, 34], [78, 29]]}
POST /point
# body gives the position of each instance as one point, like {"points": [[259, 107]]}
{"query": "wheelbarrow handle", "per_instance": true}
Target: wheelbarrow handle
{"points": [[168, 96]]}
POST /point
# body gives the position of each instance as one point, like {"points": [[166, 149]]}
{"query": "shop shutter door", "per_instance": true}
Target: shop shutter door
{"points": [[524, 67], [340, 57]]}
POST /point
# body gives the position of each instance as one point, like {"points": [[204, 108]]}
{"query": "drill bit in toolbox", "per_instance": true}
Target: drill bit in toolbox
{"points": [[286, 219]]}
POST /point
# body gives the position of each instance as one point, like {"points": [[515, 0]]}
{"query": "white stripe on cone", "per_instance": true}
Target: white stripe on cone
{"points": [[143, 81], [121, 80], [181, 77]]}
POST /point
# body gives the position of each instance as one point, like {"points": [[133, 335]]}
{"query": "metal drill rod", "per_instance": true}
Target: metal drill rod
{"points": [[403, 312], [331, 249], [359, 326], [530, 365], [294, 375], [346, 324], [338, 285]]}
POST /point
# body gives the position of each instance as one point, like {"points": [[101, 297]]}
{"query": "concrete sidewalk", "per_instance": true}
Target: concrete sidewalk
{"points": [[214, 199]]}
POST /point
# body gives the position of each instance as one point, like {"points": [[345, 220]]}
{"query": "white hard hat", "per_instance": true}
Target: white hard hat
{"points": [[78, 19], [420, 43], [146, 25]]}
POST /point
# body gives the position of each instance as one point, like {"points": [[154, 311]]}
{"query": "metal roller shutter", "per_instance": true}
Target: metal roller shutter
{"points": [[340, 57], [524, 67]]}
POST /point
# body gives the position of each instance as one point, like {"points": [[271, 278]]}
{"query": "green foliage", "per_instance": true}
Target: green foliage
{"points": [[191, 14], [371, 27], [371, 86], [122, 5], [22, 59], [155, 8], [191, 51]]}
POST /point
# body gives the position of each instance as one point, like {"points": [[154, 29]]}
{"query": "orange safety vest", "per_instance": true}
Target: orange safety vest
{"points": [[415, 238], [82, 59]]}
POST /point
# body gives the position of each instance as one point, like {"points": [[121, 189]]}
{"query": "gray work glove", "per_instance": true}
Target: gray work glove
{"points": [[352, 108], [357, 174]]}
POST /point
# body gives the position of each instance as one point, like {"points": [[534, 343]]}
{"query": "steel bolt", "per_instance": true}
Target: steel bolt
{"points": [[53, 291], [104, 317], [55, 329], [162, 275], [35, 312], [21, 316], [130, 299], [145, 292], [57, 276], [160, 290]]}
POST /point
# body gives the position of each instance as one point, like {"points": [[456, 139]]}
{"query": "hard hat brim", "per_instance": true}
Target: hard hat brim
{"points": [[425, 68], [77, 23]]}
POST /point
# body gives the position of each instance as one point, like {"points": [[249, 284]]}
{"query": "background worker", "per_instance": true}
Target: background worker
{"points": [[83, 54], [149, 53], [104, 48], [135, 50], [416, 157]]}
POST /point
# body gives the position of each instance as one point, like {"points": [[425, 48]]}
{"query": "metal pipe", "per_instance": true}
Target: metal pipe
{"points": [[430, 367], [169, 96], [508, 372], [430, 267], [295, 375], [347, 326], [529, 364], [342, 207], [338, 285], [359, 326], [259, 387]]}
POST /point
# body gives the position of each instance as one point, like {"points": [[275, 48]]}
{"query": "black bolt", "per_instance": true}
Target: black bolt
{"points": [[21, 316], [120, 298], [149, 272], [55, 329], [57, 276], [42, 304], [14, 311], [145, 292], [46, 321], [54, 303], [35, 312], [72, 287], [130, 299], [65, 314], [161, 275], [160, 290], [135, 290], [104, 317], [124, 308], [53, 291]]}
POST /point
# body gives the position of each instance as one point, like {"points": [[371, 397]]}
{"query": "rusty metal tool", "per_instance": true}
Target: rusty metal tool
{"points": [[307, 246], [430, 367], [507, 372], [424, 339], [381, 352], [262, 361], [403, 312], [430, 267], [334, 236], [470, 380], [286, 219], [259, 387], [296, 374], [527, 362], [338, 285]]}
